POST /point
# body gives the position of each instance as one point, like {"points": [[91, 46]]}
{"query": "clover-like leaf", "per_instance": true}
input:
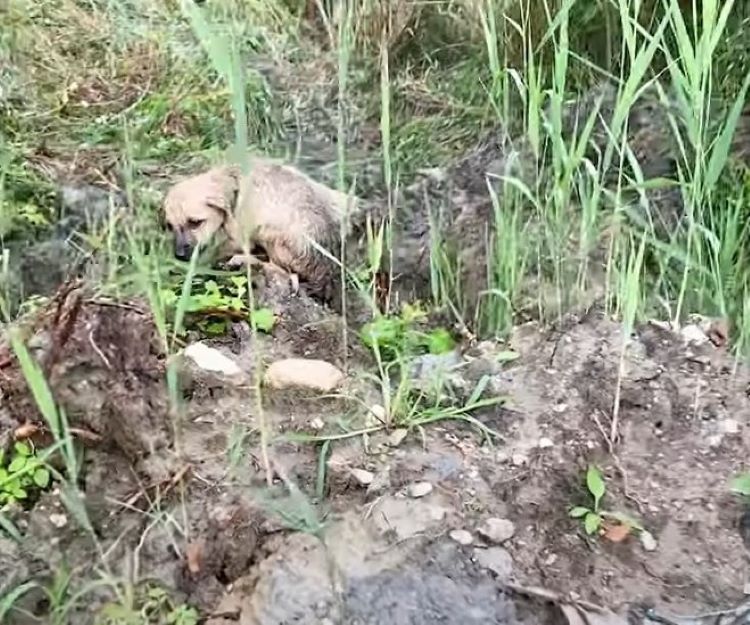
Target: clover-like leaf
{"points": [[595, 484], [578, 512], [263, 318], [41, 477], [22, 449], [17, 464], [591, 523]]}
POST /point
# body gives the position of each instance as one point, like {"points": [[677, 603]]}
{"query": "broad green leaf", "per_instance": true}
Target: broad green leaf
{"points": [[595, 484], [18, 463], [507, 356], [41, 478], [22, 449], [263, 318], [440, 341], [591, 523], [741, 485], [578, 512]]}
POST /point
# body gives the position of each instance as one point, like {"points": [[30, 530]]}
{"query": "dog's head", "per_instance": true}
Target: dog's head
{"points": [[197, 209]]}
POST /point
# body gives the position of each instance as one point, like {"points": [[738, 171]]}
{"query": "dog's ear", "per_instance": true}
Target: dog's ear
{"points": [[226, 188]]}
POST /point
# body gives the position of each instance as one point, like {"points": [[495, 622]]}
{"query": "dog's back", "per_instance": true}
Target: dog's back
{"points": [[285, 209]]}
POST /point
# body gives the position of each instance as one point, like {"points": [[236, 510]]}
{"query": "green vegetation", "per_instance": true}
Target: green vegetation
{"points": [[131, 92], [23, 472], [594, 517]]}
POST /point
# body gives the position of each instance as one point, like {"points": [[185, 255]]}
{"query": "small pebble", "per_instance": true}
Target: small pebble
{"points": [[519, 460], [729, 426], [397, 437], [545, 443], [317, 424], [648, 541], [693, 334], [364, 478], [210, 359], [497, 560], [58, 520], [419, 489], [462, 537], [497, 531], [378, 412]]}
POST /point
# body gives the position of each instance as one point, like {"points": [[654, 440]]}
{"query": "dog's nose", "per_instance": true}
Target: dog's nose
{"points": [[182, 252]]}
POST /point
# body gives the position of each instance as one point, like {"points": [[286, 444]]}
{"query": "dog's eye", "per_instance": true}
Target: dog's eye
{"points": [[195, 223]]}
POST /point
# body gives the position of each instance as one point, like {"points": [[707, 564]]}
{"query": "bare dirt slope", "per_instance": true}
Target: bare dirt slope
{"points": [[436, 527]]}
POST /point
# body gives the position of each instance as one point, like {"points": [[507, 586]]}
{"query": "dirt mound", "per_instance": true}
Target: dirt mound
{"points": [[393, 526], [102, 363]]}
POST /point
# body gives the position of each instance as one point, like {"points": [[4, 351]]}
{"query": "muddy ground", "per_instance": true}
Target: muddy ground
{"points": [[189, 509]]}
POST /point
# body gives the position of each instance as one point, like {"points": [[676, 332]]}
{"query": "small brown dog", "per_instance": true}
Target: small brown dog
{"points": [[275, 207]]}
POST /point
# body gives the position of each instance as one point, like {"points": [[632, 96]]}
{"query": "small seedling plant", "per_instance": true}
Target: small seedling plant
{"points": [[23, 473], [154, 607], [614, 525], [398, 336], [741, 486], [217, 303]]}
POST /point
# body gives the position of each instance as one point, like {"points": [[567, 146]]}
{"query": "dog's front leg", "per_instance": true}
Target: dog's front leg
{"points": [[270, 270], [243, 260]]}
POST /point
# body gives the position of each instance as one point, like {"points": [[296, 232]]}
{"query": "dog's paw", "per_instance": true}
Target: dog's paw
{"points": [[241, 260], [280, 279]]}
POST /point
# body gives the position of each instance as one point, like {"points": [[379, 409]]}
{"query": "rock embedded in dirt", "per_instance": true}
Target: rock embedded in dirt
{"points": [[303, 373], [397, 437], [519, 459], [462, 537], [648, 541], [419, 489], [85, 206], [211, 359], [380, 484], [407, 518], [362, 477], [497, 531], [497, 560], [377, 413], [729, 426]]}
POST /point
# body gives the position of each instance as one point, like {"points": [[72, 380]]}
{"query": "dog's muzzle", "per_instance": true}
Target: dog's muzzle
{"points": [[183, 249]]}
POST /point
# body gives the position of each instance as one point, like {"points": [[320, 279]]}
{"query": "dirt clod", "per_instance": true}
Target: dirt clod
{"points": [[497, 531], [102, 365]]}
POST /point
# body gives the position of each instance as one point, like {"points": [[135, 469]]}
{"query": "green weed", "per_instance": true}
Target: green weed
{"points": [[150, 606], [214, 300], [400, 335], [593, 517], [23, 473], [740, 485]]}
